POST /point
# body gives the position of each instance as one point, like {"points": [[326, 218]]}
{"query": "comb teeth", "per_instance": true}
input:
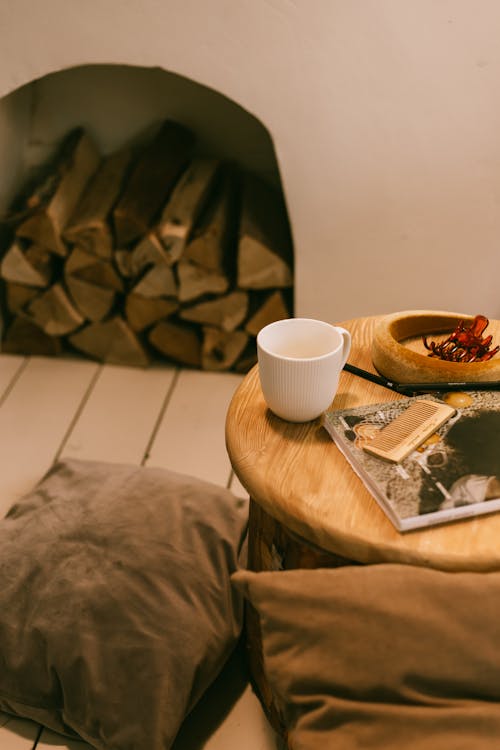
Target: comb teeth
{"points": [[409, 430]]}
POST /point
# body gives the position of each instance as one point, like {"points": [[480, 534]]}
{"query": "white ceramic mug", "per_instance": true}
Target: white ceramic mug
{"points": [[300, 360]]}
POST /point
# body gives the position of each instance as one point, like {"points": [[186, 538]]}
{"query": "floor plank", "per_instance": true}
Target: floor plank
{"points": [[119, 417], [34, 419], [18, 734], [89, 411], [10, 365], [191, 438], [229, 715], [245, 727]]}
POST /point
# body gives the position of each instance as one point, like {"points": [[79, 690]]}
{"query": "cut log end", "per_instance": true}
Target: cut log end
{"points": [[261, 268], [54, 313], [143, 312], [24, 337], [32, 266], [178, 342], [272, 309], [92, 301], [112, 341], [18, 296], [195, 281], [226, 312], [222, 349]]}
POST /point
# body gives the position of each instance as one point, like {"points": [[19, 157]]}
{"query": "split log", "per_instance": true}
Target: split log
{"points": [[151, 181], [124, 264], [225, 313], [88, 267], [221, 349], [149, 251], [18, 296], [165, 243], [195, 281], [209, 244], [247, 360], [173, 281], [92, 284], [32, 266], [185, 205], [111, 341], [274, 308], [264, 246], [158, 281], [94, 302], [178, 342], [54, 201], [54, 313], [24, 337], [89, 227], [143, 312]]}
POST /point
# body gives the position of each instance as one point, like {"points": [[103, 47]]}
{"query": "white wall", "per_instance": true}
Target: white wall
{"points": [[385, 116], [117, 102]]}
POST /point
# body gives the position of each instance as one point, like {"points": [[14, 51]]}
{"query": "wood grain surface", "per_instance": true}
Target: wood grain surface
{"points": [[297, 475]]}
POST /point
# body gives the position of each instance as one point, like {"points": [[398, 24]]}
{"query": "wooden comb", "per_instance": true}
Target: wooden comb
{"points": [[410, 429]]}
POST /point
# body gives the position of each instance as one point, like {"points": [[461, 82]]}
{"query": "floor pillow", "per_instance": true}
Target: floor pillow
{"points": [[381, 657], [116, 608]]}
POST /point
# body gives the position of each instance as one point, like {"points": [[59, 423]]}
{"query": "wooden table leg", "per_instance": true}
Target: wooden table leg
{"points": [[272, 547]]}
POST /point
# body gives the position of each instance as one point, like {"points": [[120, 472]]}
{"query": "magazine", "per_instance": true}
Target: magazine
{"points": [[454, 474]]}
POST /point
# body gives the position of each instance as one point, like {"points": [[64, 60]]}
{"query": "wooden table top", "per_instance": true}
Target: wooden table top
{"points": [[298, 476]]}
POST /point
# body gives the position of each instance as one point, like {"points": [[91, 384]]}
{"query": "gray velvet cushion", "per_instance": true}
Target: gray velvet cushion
{"points": [[116, 609], [382, 657]]}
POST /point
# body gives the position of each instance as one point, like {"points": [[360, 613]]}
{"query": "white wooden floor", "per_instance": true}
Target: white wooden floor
{"points": [[163, 417]]}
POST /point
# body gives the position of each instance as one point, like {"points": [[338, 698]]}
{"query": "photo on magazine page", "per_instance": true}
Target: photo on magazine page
{"points": [[455, 473]]}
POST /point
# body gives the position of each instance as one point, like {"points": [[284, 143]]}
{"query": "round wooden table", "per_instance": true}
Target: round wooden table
{"points": [[308, 508], [296, 475]]}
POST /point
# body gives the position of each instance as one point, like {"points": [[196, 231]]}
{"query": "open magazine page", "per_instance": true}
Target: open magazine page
{"points": [[454, 474]]}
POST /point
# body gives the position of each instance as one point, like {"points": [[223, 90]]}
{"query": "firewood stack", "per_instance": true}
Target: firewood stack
{"points": [[152, 252]]}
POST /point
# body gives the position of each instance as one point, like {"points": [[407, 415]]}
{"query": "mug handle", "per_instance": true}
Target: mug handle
{"points": [[346, 348]]}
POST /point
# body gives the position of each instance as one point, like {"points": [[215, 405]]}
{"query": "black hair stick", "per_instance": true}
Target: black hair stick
{"points": [[378, 379], [408, 389], [490, 385]]}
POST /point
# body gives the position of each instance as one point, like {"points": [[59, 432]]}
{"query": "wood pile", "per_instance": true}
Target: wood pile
{"points": [[151, 252]]}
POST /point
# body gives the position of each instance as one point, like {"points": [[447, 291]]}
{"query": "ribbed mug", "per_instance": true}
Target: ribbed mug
{"points": [[300, 360]]}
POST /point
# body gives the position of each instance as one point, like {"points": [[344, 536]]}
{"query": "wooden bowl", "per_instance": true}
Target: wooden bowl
{"points": [[398, 351]]}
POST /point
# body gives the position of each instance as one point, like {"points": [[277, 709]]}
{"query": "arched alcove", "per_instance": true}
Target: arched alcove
{"points": [[115, 102], [117, 105]]}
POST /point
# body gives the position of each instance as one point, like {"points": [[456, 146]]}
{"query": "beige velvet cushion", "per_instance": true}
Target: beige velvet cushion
{"points": [[388, 657], [116, 608]]}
